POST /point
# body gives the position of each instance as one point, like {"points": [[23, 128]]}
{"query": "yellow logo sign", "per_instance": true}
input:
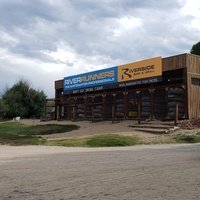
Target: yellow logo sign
{"points": [[140, 70]]}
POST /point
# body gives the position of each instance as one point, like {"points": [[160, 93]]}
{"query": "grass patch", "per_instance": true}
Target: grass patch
{"points": [[187, 138], [109, 140], [14, 133], [49, 129]]}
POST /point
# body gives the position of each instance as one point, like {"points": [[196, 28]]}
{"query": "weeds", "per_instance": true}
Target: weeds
{"points": [[187, 138]]}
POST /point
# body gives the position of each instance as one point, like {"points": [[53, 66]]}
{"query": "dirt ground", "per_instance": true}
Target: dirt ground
{"points": [[118, 173], [106, 127]]}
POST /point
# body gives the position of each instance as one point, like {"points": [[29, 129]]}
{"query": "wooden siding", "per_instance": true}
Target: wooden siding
{"points": [[193, 71], [59, 84], [193, 64], [174, 62]]}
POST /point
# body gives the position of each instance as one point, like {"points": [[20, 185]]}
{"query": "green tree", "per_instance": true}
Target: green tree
{"points": [[195, 49], [22, 100], [2, 108]]}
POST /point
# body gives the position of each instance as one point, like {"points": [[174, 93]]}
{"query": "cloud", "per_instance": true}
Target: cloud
{"points": [[45, 40]]}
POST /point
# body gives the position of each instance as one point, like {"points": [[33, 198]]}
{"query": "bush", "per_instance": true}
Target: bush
{"points": [[188, 138]]}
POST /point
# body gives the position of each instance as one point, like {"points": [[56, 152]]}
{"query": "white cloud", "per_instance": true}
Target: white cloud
{"points": [[62, 55], [192, 8], [8, 39], [125, 24]]}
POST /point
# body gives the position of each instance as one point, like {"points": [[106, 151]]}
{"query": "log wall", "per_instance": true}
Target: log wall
{"points": [[174, 62]]}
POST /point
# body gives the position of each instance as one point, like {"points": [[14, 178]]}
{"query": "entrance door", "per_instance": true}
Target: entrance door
{"points": [[132, 110]]}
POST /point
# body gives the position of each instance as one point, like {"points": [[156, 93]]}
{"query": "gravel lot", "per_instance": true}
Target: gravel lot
{"points": [[139, 172]]}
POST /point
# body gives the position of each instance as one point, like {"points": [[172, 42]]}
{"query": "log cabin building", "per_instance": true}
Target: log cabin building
{"points": [[151, 88]]}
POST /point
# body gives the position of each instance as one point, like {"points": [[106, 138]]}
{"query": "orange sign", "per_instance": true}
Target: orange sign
{"points": [[139, 70]]}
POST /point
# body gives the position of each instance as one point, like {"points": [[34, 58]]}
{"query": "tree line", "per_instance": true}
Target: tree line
{"points": [[195, 49], [22, 100]]}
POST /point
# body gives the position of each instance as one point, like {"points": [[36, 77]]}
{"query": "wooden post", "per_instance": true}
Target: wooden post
{"points": [[93, 118], [139, 113], [113, 107], [45, 109], [176, 116], [125, 104], [85, 106], [152, 103], [93, 113], [74, 113], [104, 106], [57, 112], [113, 114]]}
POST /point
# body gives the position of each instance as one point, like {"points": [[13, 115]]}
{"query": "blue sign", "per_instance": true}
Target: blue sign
{"points": [[91, 79]]}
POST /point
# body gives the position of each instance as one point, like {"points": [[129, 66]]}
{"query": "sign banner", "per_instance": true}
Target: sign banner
{"points": [[137, 73], [141, 81], [91, 89], [91, 79], [140, 70]]}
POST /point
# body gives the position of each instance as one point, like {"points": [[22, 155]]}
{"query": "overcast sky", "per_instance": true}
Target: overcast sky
{"points": [[45, 40]]}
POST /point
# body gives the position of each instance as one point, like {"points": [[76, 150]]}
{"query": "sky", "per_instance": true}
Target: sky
{"points": [[46, 40]]}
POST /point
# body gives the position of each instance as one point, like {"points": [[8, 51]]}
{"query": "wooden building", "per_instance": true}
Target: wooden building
{"points": [[156, 95]]}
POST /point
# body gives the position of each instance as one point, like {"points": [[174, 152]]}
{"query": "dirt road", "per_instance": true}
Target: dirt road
{"points": [[140, 172]]}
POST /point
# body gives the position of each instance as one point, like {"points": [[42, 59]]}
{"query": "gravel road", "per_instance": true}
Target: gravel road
{"points": [[139, 172]]}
